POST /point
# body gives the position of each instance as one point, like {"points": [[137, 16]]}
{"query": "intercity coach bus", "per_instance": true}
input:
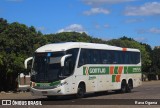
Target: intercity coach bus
{"points": [[79, 68]]}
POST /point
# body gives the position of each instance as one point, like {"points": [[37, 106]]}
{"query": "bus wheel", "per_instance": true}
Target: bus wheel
{"points": [[81, 90], [129, 86], [123, 87]]}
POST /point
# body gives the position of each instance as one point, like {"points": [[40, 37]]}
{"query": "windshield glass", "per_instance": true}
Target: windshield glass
{"points": [[46, 66]]}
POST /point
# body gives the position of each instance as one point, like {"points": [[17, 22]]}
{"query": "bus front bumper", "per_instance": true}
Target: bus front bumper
{"points": [[46, 92]]}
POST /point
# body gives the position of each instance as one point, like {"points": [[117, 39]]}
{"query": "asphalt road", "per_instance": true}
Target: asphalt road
{"points": [[149, 91]]}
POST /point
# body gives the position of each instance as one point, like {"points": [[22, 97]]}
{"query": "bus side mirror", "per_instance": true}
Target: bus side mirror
{"points": [[63, 59], [26, 61]]}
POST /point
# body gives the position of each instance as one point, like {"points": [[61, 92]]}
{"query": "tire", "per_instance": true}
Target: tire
{"points": [[129, 87], [123, 87], [81, 91]]}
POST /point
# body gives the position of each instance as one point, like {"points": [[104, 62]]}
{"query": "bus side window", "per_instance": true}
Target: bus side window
{"points": [[137, 57], [115, 57], [124, 58], [69, 66], [111, 56], [89, 56], [74, 53], [132, 58], [98, 52], [96, 57], [81, 59], [120, 57], [104, 57]]}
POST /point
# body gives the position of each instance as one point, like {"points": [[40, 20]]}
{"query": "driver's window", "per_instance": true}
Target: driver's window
{"points": [[68, 66], [70, 61]]}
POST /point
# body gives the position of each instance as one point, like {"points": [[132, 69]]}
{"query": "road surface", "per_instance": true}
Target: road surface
{"points": [[149, 91]]}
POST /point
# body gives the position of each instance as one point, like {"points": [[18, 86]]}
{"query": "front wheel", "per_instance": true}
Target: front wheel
{"points": [[81, 91]]}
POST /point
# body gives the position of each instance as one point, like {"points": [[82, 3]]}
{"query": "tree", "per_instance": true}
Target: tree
{"points": [[17, 43], [156, 60], [3, 24]]}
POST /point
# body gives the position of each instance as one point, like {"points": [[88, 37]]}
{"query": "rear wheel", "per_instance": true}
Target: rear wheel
{"points": [[81, 91], [129, 86], [123, 87]]}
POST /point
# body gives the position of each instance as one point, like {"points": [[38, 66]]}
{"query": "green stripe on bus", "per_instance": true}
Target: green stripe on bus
{"points": [[113, 78], [125, 69], [116, 70], [84, 70], [38, 85], [105, 70], [48, 84], [134, 69], [54, 83]]}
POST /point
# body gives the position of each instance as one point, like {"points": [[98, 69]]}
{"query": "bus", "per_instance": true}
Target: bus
{"points": [[79, 68]]}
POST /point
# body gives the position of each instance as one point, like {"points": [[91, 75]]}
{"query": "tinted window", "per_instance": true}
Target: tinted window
{"points": [[90, 56], [70, 62], [106, 57], [137, 57], [95, 56]]}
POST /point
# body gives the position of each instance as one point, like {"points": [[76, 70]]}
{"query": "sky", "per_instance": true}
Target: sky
{"points": [[105, 19]]}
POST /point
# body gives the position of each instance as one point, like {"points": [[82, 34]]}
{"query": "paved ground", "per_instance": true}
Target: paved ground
{"points": [[149, 90]]}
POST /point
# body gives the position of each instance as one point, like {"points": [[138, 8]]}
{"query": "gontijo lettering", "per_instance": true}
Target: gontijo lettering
{"points": [[97, 70]]}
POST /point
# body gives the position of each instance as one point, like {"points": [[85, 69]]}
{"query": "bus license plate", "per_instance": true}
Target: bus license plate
{"points": [[44, 92]]}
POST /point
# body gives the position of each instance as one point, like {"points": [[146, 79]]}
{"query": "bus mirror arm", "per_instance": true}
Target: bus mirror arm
{"points": [[63, 59], [26, 61]]}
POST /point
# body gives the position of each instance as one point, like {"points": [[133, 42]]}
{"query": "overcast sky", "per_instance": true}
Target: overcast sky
{"points": [[105, 19]]}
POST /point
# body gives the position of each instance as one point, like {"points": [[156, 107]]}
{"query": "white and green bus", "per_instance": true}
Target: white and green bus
{"points": [[79, 68]]}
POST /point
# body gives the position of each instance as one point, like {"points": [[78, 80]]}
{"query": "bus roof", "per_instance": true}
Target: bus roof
{"points": [[69, 45]]}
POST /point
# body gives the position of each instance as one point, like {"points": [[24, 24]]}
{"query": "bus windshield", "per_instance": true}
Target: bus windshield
{"points": [[46, 66]]}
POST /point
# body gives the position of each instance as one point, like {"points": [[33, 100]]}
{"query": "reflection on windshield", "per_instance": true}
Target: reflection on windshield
{"points": [[46, 67]]}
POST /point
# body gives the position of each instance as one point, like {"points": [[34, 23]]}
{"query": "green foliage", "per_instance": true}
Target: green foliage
{"points": [[72, 37], [17, 42], [3, 24], [156, 60]]}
